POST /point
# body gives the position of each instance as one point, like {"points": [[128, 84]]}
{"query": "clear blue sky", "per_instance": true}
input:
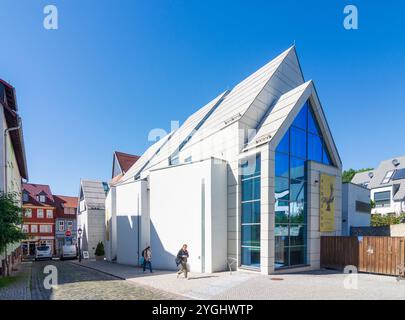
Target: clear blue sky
{"points": [[116, 69]]}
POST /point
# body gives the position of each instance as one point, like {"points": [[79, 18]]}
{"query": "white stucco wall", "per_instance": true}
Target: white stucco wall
{"points": [[132, 221], [13, 173], [188, 205], [396, 207], [350, 216], [92, 223]]}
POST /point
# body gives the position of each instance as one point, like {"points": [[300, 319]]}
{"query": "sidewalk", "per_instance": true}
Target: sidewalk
{"points": [[322, 284], [199, 285], [19, 289]]}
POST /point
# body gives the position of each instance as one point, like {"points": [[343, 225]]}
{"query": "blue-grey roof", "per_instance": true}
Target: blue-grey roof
{"points": [[374, 178]]}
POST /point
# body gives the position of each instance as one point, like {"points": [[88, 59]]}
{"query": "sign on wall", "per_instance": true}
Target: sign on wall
{"points": [[327, 203]]}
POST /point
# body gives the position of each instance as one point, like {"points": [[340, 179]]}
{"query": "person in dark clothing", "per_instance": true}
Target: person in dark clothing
{"points": [[147, 259], [181, 260]]}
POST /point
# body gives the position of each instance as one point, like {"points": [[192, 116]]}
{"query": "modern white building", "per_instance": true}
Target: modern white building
{"points": [[356, 207], [254, 175], [387, 185], [91, 214]]}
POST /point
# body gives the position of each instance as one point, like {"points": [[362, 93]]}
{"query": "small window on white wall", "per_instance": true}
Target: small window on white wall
{"points": [[40, 213], [49, 214]]}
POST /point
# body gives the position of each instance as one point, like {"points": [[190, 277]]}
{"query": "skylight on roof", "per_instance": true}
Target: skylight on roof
{"points": [[388, 176]]}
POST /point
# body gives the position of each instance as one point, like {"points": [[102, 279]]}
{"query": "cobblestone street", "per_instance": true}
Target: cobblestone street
{"points": [[75, 283]]}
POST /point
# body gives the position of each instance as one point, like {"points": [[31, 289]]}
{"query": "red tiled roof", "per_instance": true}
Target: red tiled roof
{"points": [[63, 202], [126, 160], [34, 190], [69, 202]]}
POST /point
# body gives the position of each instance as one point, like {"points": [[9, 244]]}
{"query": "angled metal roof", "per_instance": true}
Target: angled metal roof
{"points": [[240, 98], [279, 112], [186, 131], [145, 159], [94, 193]]}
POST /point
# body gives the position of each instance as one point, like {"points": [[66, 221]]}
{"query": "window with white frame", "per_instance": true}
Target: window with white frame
{"points": [[34, 228], [382, 199], [61, 225], [41, 198], [45, 228], [40, 213], [25, 228], [28, 213], [49, 214]]}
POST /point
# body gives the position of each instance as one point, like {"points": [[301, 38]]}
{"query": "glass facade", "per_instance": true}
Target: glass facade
{"points": [[302, 142], [250, 206]]}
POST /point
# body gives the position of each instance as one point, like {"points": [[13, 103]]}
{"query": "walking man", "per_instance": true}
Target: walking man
{"points": [[181, 260]]}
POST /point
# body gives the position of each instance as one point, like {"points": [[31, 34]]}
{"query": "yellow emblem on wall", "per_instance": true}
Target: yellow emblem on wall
{"points": [[327, 203]]}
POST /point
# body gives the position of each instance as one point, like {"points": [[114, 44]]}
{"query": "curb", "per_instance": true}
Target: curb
{"points": [[92, 268]]}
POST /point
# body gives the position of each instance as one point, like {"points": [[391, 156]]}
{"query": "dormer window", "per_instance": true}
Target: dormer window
{"points": [[41, 198]]}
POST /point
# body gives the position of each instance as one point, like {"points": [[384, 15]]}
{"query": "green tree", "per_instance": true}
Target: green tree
{"points": [[348, 175], [378, 220], [99, 249], [10, 223]]}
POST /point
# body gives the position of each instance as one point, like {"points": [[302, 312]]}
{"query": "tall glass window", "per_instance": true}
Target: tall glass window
{"points": [[250, 218], [302, 142]]}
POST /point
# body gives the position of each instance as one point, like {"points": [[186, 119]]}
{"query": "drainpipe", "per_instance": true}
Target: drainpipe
{"points": [[6, 131]]}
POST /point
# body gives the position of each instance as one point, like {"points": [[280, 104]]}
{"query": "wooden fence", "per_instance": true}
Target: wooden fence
{"points": [[382, 255]]}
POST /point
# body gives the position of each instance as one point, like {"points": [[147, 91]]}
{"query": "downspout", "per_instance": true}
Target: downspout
{"points": [[6, 131]]}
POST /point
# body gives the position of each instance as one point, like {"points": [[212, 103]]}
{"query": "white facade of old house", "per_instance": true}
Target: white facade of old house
{"points": [[187, 187], [11, 173]]}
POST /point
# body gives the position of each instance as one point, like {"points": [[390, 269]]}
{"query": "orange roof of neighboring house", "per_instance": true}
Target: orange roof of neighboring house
{"points": [[69, 202]]}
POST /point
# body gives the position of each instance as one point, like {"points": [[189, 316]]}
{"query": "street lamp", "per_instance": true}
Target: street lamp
{"points": [[79, 232]]}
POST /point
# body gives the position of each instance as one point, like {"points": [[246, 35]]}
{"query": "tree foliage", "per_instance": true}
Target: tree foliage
{"points": [[378, 220], [348, 175], [10, 220], [100, 249]]}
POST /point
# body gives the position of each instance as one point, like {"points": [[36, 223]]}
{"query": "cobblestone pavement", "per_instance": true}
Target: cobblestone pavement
{"points": [[241, 285], [79, 283], [20, 288]]}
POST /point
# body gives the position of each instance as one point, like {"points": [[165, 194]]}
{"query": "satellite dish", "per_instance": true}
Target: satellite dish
{"points": [[395, 162], [371, 175]]}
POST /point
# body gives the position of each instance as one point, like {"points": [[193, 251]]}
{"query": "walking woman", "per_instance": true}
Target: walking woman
{"points": [[181, 260], [147, 257]]}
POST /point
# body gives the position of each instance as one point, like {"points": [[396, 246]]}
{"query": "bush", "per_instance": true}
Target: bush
{"points": [[378, 220], [100, 249]]}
